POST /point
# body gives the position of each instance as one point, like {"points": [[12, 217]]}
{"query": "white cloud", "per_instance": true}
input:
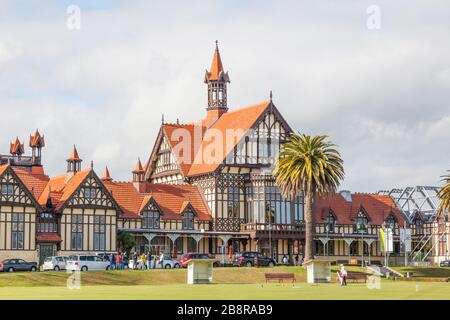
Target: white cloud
{"points": [[381, 94]]}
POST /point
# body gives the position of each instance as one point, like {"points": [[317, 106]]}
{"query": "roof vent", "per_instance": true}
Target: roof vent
{"points": [[346, 194]]}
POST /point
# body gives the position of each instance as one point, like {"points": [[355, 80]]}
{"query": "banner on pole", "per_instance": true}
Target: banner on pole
{"points": [[405, 239], [386, 240]]}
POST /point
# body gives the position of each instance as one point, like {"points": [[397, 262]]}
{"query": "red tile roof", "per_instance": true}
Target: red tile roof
{"points": [[35, 183], [169, 198], [240, 121], [61, 188], [378, 208]]}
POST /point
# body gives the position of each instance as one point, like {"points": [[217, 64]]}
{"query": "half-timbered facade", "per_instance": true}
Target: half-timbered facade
{"points": [[230, 156]]}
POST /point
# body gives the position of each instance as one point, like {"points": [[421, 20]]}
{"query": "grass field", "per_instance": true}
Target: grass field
{"points": [[230, 283]]}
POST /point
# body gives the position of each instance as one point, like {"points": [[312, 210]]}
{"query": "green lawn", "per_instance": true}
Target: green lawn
{"points": [[230, 283], [388, 290]]}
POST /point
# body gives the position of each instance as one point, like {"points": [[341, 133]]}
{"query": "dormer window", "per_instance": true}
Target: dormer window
{"points": [[150, 218], [391, 222], [331, 220], [361, 222], [188, 220]]}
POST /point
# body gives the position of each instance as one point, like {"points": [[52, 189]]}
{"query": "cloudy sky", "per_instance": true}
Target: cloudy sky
{"points": [[382, 94]]}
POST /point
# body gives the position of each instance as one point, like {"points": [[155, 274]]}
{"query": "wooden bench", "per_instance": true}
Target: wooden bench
{"points": [[280, 276], [355, 276]]}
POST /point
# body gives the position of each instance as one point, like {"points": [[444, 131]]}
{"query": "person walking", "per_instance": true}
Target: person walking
{"points": [[135, 261]]}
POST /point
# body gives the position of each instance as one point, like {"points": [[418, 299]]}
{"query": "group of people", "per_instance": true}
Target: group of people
{"points": [[120, 261]]}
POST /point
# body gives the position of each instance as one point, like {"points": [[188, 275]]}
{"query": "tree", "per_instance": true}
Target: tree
{"points": [[444, 195], [125, 242], [309, 165]]}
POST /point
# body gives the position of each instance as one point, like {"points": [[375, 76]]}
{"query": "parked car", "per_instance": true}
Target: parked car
{"points": [[193, 255], [445, 263], [11, 265], [168, 263], [86, 262], [54, 263], [248, 259]]}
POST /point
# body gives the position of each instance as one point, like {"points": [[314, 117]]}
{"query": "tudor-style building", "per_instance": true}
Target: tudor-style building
{"points": [[78, 212], [230, 156], [207, 186]]}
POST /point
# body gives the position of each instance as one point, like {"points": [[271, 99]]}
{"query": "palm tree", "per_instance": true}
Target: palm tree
{"points": [[444, 195], [309, 165]]}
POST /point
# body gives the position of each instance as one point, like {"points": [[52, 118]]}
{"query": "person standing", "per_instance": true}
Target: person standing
{"points": [[161, 259], [149, 260], [143, 261], [343, 276], [154, 261], [111, 261], [118, 262]]}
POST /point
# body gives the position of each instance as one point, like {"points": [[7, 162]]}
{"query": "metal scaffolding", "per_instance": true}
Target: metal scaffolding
{"points": [[421, 199]]}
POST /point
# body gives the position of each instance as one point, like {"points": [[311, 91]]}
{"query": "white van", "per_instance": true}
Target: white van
{"points": [[85, 263]]}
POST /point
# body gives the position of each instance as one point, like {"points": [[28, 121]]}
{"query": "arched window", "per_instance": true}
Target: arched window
{"points": [[188, 220]]}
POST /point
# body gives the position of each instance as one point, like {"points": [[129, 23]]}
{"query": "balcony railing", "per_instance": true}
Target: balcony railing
{"points": [[23, 160]]}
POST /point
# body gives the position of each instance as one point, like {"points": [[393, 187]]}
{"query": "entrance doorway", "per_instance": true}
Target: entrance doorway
{"points": [[45, 250]]}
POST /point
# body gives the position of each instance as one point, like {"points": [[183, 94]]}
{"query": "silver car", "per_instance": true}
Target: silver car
{"points": [[54, 263]]}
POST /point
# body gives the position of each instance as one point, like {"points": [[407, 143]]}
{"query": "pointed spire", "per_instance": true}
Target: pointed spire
{"points": [[162, 118], [216, 65], [92, 164], [74, 155], [37, 140], [106, 175], [271, 95], [16, 147], [138, 167]]}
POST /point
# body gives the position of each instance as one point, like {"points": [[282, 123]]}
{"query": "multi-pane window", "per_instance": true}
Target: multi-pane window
{"points": [[329, 226], [90, 193], [150, 219], [391, 222], [7, 189], [233, 202], [188, 220], [17, 231], [361, 223], [77, 232], [270, 206], [99, 233], [47, 223]]}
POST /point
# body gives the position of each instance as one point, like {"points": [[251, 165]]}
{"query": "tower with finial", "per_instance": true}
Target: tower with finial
{"points": [[138, 172], [216, 79], [37, 142], [74, 161]]}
